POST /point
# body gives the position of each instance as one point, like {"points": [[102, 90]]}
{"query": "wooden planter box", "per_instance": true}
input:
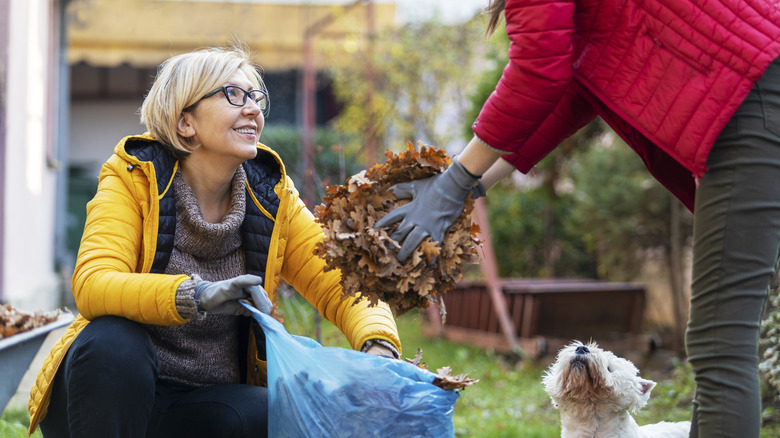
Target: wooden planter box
{"points": [[545, 315]]}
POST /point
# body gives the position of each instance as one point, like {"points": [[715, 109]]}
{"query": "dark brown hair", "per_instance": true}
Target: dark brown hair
{"points": [[494, 11]]}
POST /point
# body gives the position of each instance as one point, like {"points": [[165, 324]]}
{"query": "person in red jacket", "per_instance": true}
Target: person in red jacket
{"points": [[693, 86]]}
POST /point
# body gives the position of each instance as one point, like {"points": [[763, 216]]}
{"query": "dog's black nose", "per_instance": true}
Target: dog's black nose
{"points": [[582, 350]]}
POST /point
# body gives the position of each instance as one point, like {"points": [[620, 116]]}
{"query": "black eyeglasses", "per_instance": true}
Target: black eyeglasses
{"points": [[237, 96]]}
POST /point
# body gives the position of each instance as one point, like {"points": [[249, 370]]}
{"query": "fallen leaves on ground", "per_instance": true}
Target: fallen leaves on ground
{"points": [[367, 256], [14, 321]]}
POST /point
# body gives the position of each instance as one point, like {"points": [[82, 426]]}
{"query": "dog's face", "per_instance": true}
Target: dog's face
{"points": [[585, 375]]}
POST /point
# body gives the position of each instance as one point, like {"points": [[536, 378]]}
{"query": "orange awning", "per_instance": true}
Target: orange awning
{"points": [[143, 33]]}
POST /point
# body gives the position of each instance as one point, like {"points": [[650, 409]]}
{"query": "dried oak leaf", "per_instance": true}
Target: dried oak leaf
{"points": [[367, 256], [417, 361], [444, 378]]}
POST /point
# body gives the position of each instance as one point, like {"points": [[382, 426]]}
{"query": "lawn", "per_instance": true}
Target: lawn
{"points": [[508, 401]]}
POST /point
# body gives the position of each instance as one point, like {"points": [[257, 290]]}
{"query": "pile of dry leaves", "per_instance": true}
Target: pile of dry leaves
{"points": [[13, 321], [367, 256]]}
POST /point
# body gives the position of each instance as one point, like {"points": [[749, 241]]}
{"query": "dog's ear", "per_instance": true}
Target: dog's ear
{"points": [[645, 386]]}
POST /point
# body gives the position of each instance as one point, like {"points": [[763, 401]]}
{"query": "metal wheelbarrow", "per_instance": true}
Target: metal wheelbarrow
{"points": [[17, 353]]}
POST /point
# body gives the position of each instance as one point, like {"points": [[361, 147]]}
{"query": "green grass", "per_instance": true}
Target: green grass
{"points": [[508, 401], [14, 423]]}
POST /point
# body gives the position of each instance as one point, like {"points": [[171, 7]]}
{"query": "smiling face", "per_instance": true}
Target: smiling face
{"points": [[223, 131]]}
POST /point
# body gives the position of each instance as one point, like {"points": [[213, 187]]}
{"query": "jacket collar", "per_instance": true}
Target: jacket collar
{"points": [[144, 150]]}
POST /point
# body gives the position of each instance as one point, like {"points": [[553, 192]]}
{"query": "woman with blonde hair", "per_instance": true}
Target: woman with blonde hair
{"points": [[189, 219]]}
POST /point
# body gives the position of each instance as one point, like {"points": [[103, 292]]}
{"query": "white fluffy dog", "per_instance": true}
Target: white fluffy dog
{"points": [[596, 392]]}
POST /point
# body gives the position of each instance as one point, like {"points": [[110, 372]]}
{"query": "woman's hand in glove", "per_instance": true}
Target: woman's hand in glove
{"points": [[436, 203], [222, 296]]}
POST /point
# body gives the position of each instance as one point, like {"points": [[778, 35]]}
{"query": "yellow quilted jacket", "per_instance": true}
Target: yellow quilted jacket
{"points": [[113, 275]]}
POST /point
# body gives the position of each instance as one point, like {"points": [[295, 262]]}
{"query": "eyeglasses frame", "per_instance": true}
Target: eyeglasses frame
{"points": [[224, 88]]}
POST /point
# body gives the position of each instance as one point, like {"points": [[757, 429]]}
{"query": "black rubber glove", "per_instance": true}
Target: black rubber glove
{"points": [[222, 296], [436, 203]]}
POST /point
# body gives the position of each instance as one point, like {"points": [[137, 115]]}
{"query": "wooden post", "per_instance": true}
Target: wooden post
{"points": [[493, 283]]}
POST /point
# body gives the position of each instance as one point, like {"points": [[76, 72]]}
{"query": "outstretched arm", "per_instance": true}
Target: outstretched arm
{"points": [[477, 157]]}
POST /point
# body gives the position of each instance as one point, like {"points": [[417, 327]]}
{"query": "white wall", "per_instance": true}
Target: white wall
{"points": [[96, 127], [29, 281]]}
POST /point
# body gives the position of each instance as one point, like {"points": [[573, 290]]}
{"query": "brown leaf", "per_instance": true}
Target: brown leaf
{"points": [[14, 321], [417, 361], [367, 256], [444, 378]]}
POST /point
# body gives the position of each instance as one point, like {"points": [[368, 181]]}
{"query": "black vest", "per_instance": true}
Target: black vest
{"points": [[263, 174]]}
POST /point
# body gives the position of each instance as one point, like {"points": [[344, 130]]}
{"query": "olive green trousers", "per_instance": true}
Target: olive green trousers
{"points": [[735, 253]]}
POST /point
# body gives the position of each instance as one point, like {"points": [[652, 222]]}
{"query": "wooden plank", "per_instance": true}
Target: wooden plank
{"points": [[494, 324], [595, 313], [527, 328], [485, 309], [545, 312], [453, 303], [469, 299], [493, 341], [517, 312]]}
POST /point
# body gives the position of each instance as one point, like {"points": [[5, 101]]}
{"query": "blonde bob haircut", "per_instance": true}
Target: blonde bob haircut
{"points": [[181, 82]]}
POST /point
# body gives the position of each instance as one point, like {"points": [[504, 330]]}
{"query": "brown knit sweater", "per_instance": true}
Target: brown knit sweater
{"points": [[203, 351]]}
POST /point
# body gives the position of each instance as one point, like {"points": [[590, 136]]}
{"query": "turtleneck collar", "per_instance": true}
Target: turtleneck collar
{"points": [[203, 239]]}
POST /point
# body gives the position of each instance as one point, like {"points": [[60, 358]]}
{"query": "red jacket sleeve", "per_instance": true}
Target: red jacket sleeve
{"points": [[537, 75], [572, 113]]}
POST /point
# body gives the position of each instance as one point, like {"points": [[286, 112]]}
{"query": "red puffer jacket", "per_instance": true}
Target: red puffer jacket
{"points": [[666, 75]]}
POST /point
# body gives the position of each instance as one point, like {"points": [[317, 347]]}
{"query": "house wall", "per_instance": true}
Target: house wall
{"points": [[5, 7], [97, 126], [29, 163]]}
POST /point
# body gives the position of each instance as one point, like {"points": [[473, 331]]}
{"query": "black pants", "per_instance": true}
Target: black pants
{"points": [[736, 242], [107, 386]]}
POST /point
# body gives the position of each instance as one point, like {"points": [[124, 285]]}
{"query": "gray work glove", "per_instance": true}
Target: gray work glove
{"points": [[436, 203], [222, 296]]}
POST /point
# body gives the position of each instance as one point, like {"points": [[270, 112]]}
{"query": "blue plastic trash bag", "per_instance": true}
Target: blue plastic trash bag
{"points": [[316, 391]]}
